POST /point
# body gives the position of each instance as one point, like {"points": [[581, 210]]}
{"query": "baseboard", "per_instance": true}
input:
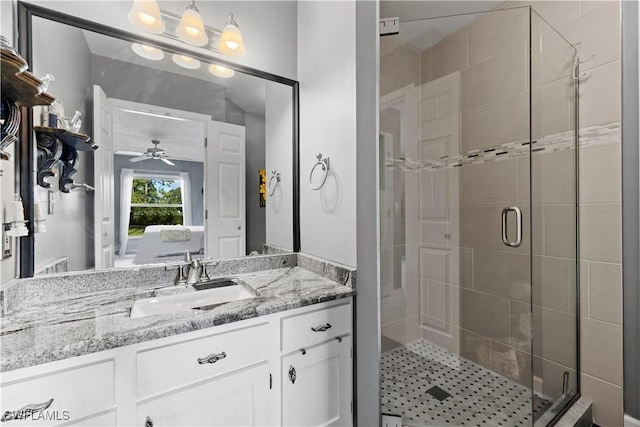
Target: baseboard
{"points": [[631, 422]]}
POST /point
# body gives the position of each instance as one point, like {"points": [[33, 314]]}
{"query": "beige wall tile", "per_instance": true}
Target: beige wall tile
{"points": [[496, 32], [584, 289], [554, 281], [600, 232], [600, 174], [489, 184], [554, 336], [601, 350], [475, 347], [511, 363], [412, 67], [403, 331], [607, 400], [560, 231], [552, 106], [552, 55], [556, 12], [600, 95], [520, 325], [484, 314], [502, 274], [598, 33], [466, 268], [490, 125], [426, 66], [587, 6], [450, 54], [502, 76], [552, 376], [605, 292], [480, 228], [553, 178]]}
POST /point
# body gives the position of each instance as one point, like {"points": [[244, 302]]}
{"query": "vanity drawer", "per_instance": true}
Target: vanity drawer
{"points": [[76, 392], [315, 327], [189, 361]]}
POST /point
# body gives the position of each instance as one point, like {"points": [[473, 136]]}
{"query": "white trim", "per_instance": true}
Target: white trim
{"points": [[629, 421]]}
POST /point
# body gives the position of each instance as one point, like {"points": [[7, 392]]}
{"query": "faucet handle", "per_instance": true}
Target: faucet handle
{"points": [[180, 279], [204, 277], [187, 256]]}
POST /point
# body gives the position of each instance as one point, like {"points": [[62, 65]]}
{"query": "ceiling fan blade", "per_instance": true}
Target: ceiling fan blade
{"points": [[138, 159], [129, 153], [169, 162]]}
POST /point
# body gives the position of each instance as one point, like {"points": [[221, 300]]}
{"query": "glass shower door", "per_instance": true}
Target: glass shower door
{"points": [[469, 307]]}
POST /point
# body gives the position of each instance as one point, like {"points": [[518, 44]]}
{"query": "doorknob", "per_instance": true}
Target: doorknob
{"points": [[239, 227]]}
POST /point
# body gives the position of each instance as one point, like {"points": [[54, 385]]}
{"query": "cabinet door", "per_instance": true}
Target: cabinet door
{"points": [[240, 399], [316, 385]]}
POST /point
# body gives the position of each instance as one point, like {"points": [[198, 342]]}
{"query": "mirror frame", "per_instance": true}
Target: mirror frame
{"points": [[25, 158]]}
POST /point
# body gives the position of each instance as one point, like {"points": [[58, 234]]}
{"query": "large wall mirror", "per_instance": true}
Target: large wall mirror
{"points": [[194, 153]]}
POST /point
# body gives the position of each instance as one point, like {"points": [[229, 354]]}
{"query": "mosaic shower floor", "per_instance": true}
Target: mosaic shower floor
{"points": [[479, 397]]}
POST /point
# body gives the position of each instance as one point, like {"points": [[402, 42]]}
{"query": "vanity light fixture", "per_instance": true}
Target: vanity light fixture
{"points": [[231, 43], [221, 71], [148, 52], [145, 15], [191, 28], [186, 61]]}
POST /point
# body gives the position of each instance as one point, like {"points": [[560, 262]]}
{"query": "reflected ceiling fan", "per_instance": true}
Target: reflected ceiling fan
{"points": [[154, 153]]}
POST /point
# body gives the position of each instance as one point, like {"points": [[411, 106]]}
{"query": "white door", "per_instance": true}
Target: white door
{"points": [[316, 385], [103, 180], [225, 214], [241, 399]]}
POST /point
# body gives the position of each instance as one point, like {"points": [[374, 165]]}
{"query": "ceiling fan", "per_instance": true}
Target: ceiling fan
{"points": [[154, 153]]}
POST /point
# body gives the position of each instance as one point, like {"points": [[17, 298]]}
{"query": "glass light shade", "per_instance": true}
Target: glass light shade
{"points": [[186, 62], [145, 15], [221, 71], [148, 52], [191, 28], [231, 43]]}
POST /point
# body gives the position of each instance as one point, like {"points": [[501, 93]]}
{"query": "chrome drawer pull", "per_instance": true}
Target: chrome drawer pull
{"points": [[26, 411], [321, 328], [212, 358], [292, 374], [148, 422]]}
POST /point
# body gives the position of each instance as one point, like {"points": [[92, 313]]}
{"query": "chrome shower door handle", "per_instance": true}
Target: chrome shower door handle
{"points": [[505, 237]]}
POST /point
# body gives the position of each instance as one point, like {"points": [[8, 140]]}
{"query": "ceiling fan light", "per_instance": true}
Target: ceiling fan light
{"points": [[191, 28], [230, 42], [147, 52], [145, 15], [186, 61], [221, 71]]}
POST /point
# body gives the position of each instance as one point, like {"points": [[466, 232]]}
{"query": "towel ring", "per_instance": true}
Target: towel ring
{"points": [[324, 163], [275, 175]]}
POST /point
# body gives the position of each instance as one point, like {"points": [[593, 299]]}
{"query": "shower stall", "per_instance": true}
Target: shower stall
{"points": [[478, 221]]}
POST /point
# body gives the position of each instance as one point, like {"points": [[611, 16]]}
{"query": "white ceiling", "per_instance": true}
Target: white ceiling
{"points": [[180, 138], [247, 92], [425, 23]]}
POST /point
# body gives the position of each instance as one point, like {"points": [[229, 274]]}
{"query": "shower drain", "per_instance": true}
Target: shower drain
{"points": [[438, 393]]}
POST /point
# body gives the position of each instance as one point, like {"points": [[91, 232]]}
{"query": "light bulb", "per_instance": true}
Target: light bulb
{"points": [[186, 62], [221, 71], [231, 43], [148, 52], [191, 28], [145, 15]]}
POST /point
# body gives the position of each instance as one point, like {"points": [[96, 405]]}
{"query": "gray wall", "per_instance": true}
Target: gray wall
{"points": [[196, 176], [255, 160], [62, 51]]}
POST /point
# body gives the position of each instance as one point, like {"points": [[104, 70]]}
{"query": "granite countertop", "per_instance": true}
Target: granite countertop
{"points": [[33, 333]]}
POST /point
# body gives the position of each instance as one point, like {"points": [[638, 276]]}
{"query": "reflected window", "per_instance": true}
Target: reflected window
{"points": [[155, 201]]}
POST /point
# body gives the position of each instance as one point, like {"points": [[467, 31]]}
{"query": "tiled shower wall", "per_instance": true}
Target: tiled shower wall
{"points": [[480, 305]]}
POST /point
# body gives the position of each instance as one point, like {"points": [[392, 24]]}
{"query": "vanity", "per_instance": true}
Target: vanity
{"points": [[283, 357]]}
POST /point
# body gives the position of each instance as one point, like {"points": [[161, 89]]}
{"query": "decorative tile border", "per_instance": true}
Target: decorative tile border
{"points": [[593, 135]]}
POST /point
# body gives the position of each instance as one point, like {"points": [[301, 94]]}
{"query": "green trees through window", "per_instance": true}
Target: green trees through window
{"points": [[154, 201]]}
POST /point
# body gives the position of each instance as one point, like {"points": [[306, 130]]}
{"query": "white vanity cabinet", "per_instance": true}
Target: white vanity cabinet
{"points": [[316, 367], [230, 375]]}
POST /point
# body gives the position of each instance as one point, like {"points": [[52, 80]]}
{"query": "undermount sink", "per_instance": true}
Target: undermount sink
{"points": [[205, 297]]}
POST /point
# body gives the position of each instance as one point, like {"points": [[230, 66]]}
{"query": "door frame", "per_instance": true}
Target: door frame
{"points": [[25, 152]]}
